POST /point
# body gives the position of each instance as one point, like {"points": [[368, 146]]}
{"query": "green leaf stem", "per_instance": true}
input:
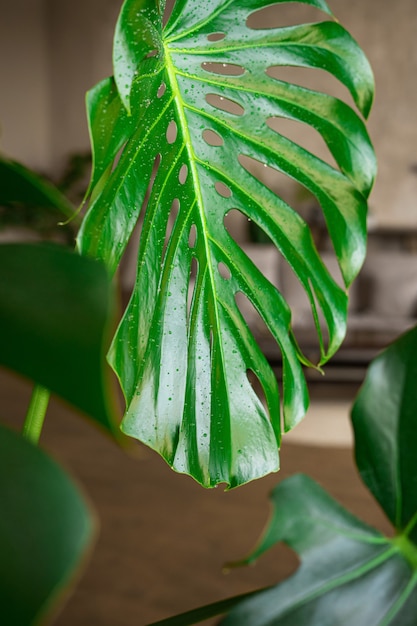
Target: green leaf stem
{"points": [[188, 104]]}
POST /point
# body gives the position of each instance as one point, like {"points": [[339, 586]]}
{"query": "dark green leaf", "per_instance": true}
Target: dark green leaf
{"points": [[21, 186], [384, 418], [349, 573], [45, 530], [183, 349], [55, 309]]}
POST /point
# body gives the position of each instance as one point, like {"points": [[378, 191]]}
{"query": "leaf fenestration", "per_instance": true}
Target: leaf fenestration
{"points": [[183, 348]]}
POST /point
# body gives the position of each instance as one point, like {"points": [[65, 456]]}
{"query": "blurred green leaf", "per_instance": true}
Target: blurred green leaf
{"points": [[45, 530], [176, 132], [55, 311], [21, 188], [384, 418]]}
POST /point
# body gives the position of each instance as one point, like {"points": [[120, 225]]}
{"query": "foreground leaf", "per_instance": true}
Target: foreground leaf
{"points": [[187, 130], [384, 418], [55, 309], [45, 530]]}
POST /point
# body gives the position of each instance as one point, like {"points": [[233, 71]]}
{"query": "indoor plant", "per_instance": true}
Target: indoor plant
{"points": [[173, 135]]}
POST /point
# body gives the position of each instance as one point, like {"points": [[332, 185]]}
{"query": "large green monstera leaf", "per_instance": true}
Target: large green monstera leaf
{"points": [[172, 133]]}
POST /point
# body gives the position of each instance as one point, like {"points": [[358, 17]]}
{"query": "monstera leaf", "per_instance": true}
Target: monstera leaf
{"points": [[190, 105], [350, 573]]}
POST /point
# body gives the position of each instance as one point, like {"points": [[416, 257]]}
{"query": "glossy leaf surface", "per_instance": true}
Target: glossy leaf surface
{"points": [[45, 530], [349, 572], [384, 417], [55, 309], [170, 137]]}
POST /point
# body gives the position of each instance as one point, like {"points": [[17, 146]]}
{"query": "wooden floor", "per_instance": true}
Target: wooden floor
{"points": [[163, 538]]}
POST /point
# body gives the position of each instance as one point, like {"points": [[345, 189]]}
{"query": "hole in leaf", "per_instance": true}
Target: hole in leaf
{"points": [[292, 193], [236, 225], [260, 329], [250, 314], [191, 284], [212, 138], [155, 168], [152, 53], [256, 386], [224, 69], [267, 260], [301, 312], [224, 271], [223, 190], [278, 182], [304, 135], [175, 207], [117, 157], [224, 104], [168, 10], [193, 236], [183, 174], [283, 14], [172, 216], [172, 132], [128, 264], [194, 267], [316, 79], [162, 89], [216, 36]]}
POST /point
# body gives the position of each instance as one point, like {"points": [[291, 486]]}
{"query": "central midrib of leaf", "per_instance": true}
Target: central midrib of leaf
{"points": [[192, 158]]}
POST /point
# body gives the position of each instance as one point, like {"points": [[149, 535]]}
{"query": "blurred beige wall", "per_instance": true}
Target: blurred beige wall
{"points": [[387, 32], [24, 81], [52, 51], [80, 44]]}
